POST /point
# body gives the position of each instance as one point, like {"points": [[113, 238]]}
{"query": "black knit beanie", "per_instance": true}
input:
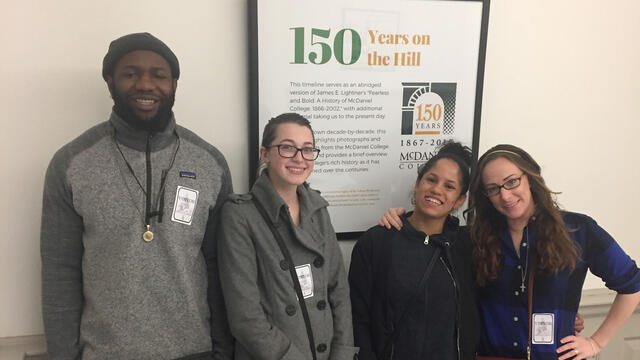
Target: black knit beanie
{"points": [[138, 41]]}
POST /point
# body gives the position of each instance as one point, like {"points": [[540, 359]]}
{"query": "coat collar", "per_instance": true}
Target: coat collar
{"points": [[310, 200], [137, 139], [451, 225]]}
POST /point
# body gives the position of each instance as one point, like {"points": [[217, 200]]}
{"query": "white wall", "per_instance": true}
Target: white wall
{"points": [[562, 80], [52, 90]]}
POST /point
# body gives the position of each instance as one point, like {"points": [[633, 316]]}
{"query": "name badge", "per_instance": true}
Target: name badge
{"points": [[305, 278], [543, 328], [184, 205]]}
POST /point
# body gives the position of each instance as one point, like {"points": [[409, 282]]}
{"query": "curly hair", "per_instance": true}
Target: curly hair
{"points": [[456, 152], [554, 248]]}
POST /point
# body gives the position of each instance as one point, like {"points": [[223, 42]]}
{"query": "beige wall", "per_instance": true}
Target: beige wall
{"points": [[562, 80]]}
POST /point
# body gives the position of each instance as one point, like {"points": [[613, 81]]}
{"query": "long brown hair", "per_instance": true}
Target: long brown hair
{"points": [[554, 248]]}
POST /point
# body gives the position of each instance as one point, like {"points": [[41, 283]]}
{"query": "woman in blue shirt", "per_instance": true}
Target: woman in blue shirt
{"points": [[518, 228]]}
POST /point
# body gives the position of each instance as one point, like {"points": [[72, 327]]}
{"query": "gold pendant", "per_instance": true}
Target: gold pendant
{"points": [[147, 235]]}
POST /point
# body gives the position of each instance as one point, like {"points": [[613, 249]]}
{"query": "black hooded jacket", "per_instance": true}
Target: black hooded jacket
{"points": [[386, 268]]}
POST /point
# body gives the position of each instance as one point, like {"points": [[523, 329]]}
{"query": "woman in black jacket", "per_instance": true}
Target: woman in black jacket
{"points": [[412, 289]]}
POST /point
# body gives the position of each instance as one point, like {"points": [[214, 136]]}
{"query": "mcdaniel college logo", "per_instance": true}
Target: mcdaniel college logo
{"points": [[428, 108]]}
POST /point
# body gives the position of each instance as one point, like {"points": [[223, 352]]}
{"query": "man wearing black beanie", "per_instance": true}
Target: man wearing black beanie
{"points": [[128, 222]]}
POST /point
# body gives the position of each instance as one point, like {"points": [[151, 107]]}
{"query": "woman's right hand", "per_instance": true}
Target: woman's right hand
{"points": [[391, 217]]}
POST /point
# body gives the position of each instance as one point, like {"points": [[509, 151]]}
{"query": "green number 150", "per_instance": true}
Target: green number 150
{"points": [[324, 53]]}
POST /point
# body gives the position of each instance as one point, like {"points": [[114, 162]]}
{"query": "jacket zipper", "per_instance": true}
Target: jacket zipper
{"points": [[455, 286]]}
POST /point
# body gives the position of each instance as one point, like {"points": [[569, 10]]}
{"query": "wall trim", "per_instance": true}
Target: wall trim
{"points": [[23, 340], [597, 302]]}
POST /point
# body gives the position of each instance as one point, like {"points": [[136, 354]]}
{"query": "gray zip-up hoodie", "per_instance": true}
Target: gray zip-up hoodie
{"points": [[108, 294]]}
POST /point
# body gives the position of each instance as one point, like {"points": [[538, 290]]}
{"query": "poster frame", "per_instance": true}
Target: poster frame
{"points": [[254, 103]]}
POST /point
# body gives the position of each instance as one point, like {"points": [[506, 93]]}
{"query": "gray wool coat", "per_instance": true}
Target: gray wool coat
{"points": [[262, 306]]}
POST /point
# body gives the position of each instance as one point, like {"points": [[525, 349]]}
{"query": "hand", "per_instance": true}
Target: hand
{"points": [[578, 326], [577, 347], [392, 218]]}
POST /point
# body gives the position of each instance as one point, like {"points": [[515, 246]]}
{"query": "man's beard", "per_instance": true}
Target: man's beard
{"points": [[156, 123]]}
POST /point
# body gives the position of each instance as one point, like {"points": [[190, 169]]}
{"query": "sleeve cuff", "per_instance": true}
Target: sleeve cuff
{"points": [[343, 352]]}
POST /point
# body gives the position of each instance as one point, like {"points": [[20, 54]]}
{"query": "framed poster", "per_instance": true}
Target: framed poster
{"points": [[383, 83]]}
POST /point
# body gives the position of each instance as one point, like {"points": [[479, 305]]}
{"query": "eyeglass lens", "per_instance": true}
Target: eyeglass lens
{"points": [[508, 185], [289, 151]]}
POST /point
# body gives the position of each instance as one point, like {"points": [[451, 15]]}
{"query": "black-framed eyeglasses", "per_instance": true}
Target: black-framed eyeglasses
{"points": [[507, 185], [290, 151]]}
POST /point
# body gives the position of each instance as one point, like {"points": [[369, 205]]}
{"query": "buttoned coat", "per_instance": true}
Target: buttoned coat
{"points": [[262, 306]]}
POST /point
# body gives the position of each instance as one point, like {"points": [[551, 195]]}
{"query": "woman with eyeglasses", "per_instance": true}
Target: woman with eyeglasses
{"points": [[281, 268], [523, 241], [412, 289]]}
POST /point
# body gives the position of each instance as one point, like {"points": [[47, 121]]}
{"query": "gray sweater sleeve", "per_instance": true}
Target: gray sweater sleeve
{"points": [[61, 251], [221, 338]]}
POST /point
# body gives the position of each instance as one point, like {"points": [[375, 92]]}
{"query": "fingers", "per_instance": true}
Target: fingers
{"points": [[393, 220], [388, 220], [567, 355], [575, 347], [567, 339], [391, 217], [573, 355], [567, 350], [383, 222]]}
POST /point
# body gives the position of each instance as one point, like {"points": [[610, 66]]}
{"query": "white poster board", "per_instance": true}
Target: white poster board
{"points": [[382, 82]]}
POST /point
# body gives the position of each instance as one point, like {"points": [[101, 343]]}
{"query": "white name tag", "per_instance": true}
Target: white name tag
{"points": [[305, 278], [184, 205], [543, 328]]}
